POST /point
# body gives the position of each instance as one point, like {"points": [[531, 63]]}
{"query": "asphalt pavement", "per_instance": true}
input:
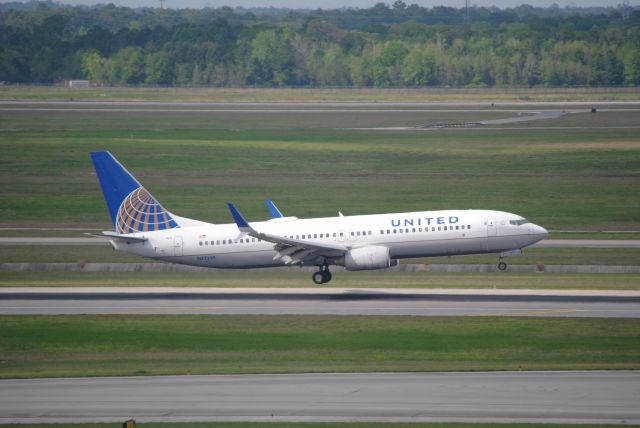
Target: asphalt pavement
{"points": [[319, 301], [596, 397]]}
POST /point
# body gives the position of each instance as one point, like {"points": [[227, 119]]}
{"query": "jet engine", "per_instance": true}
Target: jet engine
{"points": [[367, 258]]}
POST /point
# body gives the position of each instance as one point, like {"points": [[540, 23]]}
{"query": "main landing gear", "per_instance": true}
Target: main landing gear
{"points": [[502, 265], [322, 276]]}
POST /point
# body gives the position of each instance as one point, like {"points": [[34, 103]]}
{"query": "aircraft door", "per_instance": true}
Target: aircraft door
{"points": [[492, 228], [178, 246]]}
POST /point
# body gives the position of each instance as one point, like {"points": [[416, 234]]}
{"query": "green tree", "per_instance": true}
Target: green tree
{"points": [[631, 61], [387, 67], [419, 67], [94, 66], [158, 69], [127, 66], [272, 58]]}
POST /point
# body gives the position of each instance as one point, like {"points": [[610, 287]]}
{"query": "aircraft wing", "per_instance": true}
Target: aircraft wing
{"points": [[292, 251], [113, 235]]}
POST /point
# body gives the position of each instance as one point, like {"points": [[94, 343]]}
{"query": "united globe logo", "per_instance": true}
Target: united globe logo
{"points": [[140, 212]]}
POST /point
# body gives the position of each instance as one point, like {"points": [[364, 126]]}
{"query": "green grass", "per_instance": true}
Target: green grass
{"points": [[347, 95], [531, 256], [296, 278], [577, 179], [52, 346]]}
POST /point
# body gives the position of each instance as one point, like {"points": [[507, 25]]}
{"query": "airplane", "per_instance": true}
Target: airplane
{"points": [[360, 242]]}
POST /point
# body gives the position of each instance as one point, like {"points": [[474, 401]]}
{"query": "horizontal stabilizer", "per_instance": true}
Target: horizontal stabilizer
{"points": [[113, 235]]}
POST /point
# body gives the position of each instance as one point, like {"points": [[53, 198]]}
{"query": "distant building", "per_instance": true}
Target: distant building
{"points": [[79, 83]]}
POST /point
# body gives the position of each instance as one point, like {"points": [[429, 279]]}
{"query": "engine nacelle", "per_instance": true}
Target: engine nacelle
{"points": [[367, 258]]}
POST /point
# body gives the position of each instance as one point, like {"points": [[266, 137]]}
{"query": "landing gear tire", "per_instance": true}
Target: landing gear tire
{"points": [[318, 277], [327, 276], [322, 276], [502, 266]]}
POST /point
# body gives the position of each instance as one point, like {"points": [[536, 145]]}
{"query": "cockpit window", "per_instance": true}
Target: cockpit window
{"points": [[519, 221]]}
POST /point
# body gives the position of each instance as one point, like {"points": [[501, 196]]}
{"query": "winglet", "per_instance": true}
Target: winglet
{"points": [[240, 221], [275, 212]]}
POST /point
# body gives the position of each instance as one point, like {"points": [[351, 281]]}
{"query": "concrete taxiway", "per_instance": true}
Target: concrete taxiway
{"points": [[576, 397], [319, 301]]}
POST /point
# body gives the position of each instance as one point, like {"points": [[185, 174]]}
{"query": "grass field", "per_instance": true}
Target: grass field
{"points": [[577, 172], [295, 278], [531, 256], [348, 95], [46, 346]]}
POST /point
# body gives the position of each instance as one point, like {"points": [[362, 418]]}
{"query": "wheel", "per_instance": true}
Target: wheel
{"points": [[502, 266], [326, 276], [318, 277]]}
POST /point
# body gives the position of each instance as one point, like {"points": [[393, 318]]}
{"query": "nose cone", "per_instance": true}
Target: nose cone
{"points": [[538, 233]]}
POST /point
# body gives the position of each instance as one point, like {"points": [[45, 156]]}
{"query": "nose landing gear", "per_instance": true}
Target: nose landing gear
{"points": [[322, 276], [502, 265]]}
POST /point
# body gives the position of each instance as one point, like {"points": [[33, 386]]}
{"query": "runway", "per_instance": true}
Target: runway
{"points": [[552, 397], [337, 105], [318, 301]]}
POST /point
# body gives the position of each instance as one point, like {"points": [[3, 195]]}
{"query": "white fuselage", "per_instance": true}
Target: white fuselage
{"points": [[407, 235]]}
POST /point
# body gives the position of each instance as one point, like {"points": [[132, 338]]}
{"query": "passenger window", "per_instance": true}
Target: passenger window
{"points": [[445, 228], [352, 234], [369, 232], [388, 232], [382, 232], [419, 229], [439, 228], [218, 243], [358, 233], [407, 230], [315, 235], [341, 234], [201, 243], [334, 234], [395, 231], [413, 230], [433, 229], [469, 227]]}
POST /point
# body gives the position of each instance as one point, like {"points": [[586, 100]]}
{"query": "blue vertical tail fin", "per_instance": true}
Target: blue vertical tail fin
{"points": [[131, 206], [273, 210]]}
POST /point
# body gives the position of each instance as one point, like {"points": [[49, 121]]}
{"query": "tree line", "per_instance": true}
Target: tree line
{"points": [[383, 46]]}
